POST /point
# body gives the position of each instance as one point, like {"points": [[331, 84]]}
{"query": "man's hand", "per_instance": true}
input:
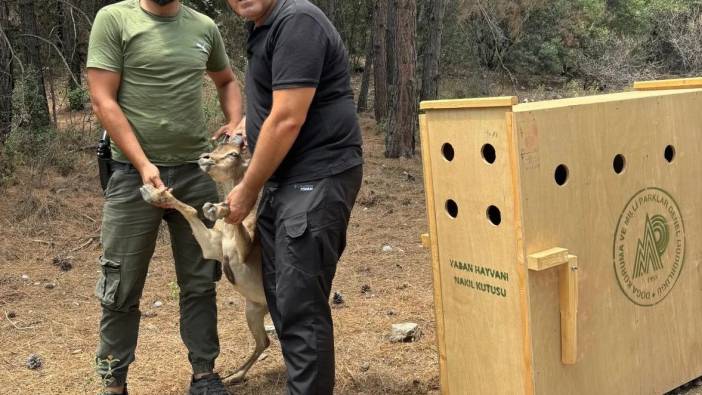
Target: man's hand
{"points": [[241, 201], [231, 129], [151, 176]]}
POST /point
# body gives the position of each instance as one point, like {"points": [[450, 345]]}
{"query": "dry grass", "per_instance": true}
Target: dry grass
{"points": [[61, 217]]}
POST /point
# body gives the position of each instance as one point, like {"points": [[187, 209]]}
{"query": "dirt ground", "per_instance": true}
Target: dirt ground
{"points": [[49, 247]]}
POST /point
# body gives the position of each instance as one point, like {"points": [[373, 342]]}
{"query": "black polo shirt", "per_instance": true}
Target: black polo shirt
{"points": [[296, 47]]}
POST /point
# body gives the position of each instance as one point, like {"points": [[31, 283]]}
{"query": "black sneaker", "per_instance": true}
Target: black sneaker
{"points": [[210, 384]]}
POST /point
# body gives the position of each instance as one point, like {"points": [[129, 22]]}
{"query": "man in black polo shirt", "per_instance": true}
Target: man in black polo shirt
{"points": [[306, 143]]}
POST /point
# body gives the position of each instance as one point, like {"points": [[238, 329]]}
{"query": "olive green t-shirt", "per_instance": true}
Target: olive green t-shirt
{"points": [[162, 62]]}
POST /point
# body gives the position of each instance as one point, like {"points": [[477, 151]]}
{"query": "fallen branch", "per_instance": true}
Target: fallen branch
{"points": [[87, 243], [15, 325], [88, 217]]}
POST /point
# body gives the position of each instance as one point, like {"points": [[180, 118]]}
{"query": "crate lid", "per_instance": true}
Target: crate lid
{"points": [[483, 102]]}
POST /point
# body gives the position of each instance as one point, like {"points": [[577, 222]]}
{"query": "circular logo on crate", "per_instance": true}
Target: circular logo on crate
{"points": [[649, 246]]}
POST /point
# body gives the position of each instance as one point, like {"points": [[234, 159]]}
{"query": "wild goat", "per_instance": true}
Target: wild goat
{"points": [[233, 245]]}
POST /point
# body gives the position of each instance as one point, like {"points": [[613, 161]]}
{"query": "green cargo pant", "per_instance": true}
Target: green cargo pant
{"points": [[129, 231]]}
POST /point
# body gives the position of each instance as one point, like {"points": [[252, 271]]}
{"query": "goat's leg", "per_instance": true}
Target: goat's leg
{"points": [[243, 232], [255, 313], [208, 239], [243, 242]]}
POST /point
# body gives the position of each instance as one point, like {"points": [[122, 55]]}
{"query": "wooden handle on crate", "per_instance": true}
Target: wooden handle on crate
{"points": [[568, 291]]}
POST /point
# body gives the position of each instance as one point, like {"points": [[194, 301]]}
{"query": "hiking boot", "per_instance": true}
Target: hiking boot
{"points": [[210, 384]]}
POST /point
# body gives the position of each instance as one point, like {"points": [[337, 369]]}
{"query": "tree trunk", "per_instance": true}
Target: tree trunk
{"points": [[331, 10], [69, 34], [35, 101], [354, 26], [391, 40], [435, 10], [6, 78], [363, 94], [380, 57], [401, 132]]}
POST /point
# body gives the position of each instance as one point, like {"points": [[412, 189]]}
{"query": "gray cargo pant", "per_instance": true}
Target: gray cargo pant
{"points": [[302, 228], [129, 231]]}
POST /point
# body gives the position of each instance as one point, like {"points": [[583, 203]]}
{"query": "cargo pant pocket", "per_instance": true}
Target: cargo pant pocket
{"points": [[299, 245], [108, 282]]}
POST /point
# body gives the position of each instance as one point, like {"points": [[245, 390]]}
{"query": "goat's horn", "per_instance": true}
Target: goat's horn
{"points": [[236, 139]]}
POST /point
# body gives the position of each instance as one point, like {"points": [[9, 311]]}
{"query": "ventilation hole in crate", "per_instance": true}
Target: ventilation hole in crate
{"points": [[669, 153], [494, 215], [619, 163], [488, 152], [561, 175], [447, 151], [452, 208]]}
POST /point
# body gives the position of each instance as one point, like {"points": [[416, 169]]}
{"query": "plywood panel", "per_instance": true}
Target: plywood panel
{"points": [[485, 322], [678, 83], [432, 240], [629, 342], [484, 102]]}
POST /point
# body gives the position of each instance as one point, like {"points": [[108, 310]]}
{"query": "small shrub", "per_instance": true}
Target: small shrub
{"points": [[77, 98], [174, 290], [615, 63], [24, 146]]}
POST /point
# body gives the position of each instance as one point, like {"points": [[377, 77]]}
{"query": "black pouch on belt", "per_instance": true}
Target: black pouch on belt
{"points": [[104, 159]]}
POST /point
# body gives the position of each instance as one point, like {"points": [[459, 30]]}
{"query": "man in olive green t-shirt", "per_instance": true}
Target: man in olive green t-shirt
{"points": [[146, 63]]}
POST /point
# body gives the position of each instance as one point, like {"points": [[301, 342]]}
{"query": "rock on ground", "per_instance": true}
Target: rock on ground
{"points": [[405, 332]]}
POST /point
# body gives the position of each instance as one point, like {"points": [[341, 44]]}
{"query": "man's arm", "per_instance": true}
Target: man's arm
{"points": [[229, 98], [278, 133], [103, 86]]}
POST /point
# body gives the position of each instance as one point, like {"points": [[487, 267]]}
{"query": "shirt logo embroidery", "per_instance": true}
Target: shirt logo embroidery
{"points": [[306, 188]]}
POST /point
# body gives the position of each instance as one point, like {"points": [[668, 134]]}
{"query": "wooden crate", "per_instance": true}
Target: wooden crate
{"points": [[565, 241]]}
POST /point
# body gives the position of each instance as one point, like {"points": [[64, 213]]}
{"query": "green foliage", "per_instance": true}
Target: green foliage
{"points": [[25, 146], [602, 42], [77, 98], [174, 290], [28, 107], [38, 148], [211, 8]]}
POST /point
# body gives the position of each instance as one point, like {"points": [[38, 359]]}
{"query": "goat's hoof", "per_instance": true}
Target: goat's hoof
{"points": [[215, 211], [235, 378], [209, 211], [147, 193], [156, 196]]}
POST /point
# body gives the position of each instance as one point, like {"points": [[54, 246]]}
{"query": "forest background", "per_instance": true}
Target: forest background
{"points": [[401, 51]]}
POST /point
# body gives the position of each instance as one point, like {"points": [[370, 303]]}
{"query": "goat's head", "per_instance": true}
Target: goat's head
{"points": [[226, 162]]}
